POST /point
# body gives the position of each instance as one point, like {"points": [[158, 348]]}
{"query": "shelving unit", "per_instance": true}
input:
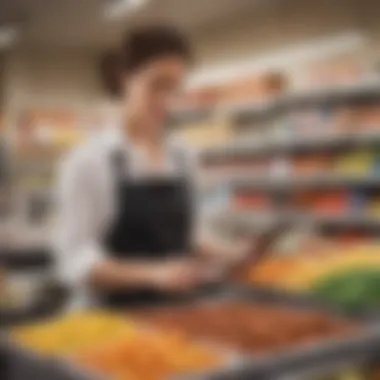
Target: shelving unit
{"points": [[256, 220], [365, 90], [221, 162], [252, 148], [368, 89]]}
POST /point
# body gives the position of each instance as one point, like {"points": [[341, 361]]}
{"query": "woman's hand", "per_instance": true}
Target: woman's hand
{"points": [[177, 276]]}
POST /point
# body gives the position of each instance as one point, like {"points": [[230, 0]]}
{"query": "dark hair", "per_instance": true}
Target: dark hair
{"points": [[146, 44]]}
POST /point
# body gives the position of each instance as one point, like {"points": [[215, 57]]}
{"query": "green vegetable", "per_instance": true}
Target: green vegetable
{"points": [[351, 290]]}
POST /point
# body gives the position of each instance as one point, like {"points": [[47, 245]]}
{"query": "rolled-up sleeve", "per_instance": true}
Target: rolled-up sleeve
{"points": [[76, 240]]}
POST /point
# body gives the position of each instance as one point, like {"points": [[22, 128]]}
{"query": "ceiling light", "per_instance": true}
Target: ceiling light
{"points": [[119, 8], [8, 35]]}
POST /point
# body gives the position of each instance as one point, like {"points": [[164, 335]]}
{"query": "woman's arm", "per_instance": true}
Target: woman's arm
{"points": [[174, 275]]}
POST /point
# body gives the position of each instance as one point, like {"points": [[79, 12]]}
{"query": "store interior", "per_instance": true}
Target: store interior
{"points": [[282, 107]]}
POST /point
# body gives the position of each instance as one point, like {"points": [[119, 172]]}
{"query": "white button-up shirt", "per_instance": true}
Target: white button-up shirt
{"points": [[86, 204]]}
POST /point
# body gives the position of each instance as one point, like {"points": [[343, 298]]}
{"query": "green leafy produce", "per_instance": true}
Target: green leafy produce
{"points": [[351, 290]]}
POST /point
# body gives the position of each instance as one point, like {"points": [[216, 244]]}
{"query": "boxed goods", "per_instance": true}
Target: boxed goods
{"points": [[366, 118], [320, 203], [373, 208]]}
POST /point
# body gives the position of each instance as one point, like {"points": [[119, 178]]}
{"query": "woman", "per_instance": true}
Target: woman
{"points": [[126, 213]]}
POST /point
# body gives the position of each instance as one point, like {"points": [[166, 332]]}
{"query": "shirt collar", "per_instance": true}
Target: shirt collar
{"points": [[114, 137]]}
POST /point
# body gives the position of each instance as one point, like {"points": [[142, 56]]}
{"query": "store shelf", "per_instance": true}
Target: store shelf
{"points": [[364, 222], [332, 181], [252, 220], [248, 147], [256, 108], [368, 89]]}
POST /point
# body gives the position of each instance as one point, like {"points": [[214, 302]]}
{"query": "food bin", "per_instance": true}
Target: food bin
{"points": [[358, 344], [111, 343], [307, 358]]}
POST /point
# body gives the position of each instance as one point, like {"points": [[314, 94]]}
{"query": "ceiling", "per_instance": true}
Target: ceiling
{"points": [[80, 23]]}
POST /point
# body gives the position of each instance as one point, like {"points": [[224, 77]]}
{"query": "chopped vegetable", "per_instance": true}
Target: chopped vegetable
{"points": [[354, 289]]}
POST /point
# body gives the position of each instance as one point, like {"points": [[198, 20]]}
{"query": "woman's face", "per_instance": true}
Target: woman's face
{"points": [[150, 90]]}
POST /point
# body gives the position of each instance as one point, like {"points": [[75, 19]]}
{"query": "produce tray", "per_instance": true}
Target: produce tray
{"points": [[304, 359]]}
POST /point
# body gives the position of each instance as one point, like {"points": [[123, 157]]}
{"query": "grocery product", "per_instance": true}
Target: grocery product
{"points": [[355, 289], [366, 117], [373, 208], [250, 327], [359, 163], [330, 203], [311, 164]]}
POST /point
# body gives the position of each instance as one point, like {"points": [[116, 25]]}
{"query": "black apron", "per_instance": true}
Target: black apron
{"points": [[153, 222]]}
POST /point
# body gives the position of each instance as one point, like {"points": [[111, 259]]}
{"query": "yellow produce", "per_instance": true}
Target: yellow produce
{"points": [[73, 332]]}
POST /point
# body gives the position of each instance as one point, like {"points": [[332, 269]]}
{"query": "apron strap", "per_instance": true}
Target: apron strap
{"points": [[182, 162], [119, 165]]}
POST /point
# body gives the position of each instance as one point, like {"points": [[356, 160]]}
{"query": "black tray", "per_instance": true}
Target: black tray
{"points": [[323, 356]]}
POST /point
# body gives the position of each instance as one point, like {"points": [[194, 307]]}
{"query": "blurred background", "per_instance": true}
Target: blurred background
{"points": [[283, 106]]}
